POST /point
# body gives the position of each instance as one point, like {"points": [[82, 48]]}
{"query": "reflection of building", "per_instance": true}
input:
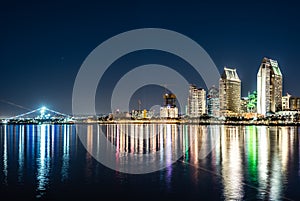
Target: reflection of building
{"points": [[230, 91], [196, 101], [269, 87], [169, 110], [213, 103], [231, 155], [144, 138]]}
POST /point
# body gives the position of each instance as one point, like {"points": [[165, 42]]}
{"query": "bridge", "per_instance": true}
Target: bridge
{"points": [[40, 115]]}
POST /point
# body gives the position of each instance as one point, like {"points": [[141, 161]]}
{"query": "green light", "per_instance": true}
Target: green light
{"points": [[252, 100], [252, 152], [186, 144]]}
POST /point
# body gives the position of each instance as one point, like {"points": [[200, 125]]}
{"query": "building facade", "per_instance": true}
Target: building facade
{"points": [[229, 91], [213, 103], [286, 102], [169, 110], [142, 114], [290, 103], [269, 87], [295, 103], [244, 104], [196, 101]]}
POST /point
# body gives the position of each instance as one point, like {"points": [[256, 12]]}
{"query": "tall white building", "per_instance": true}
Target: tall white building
{"points": [[196, 101], [269, 87]]}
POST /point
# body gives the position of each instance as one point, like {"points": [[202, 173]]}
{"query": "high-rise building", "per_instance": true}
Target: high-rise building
{"points": [[213, 103], [196, 101], [169, 110], [229, 91], [269, 87]]}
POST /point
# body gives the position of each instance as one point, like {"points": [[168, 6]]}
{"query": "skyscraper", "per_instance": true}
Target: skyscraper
{"points": [[269, 87], [196, 101], [230, 91], [213, 103]]}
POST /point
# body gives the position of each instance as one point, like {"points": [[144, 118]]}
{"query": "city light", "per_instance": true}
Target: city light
{"points": [[42, 111]]}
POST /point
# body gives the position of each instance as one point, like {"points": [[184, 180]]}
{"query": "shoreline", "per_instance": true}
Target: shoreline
{"points": [[193, 122], [163, 121]]}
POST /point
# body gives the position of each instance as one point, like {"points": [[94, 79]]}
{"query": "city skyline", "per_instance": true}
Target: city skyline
{"points": [[198, 97], [149, 100], [223, 101]]}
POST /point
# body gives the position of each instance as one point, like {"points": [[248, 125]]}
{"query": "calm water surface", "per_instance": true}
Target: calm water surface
{"points": [[49, 162]]}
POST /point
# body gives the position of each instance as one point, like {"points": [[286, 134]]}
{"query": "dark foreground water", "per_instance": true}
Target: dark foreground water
{"points": [[49, 162]]}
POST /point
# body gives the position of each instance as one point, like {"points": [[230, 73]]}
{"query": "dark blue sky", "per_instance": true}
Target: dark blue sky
{"points": [[43, 44]]}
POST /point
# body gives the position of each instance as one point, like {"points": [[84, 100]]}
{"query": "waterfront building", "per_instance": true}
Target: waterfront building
{"points": [[269, 87], [229, 91], [290, 103], [142, 114], [196, 101], [169, 110], [285, 102], [213, 103], [121, 115], [244, 103], [294, 103]]}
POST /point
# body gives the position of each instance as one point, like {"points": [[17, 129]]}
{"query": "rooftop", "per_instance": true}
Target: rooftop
{"points": [[230, 74]]}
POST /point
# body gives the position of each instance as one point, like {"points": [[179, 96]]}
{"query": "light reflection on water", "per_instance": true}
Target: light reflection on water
{"points": [[66, 154], [5, 166], [231, 164], [32, 150], [43, 158], [254, 162]]}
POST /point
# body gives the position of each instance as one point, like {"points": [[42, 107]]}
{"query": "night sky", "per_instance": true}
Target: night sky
{"points": [[43, 44]]}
